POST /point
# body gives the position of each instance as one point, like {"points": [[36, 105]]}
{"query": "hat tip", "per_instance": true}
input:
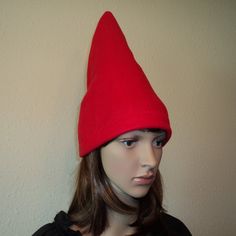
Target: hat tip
{"points": [[107, 14]]}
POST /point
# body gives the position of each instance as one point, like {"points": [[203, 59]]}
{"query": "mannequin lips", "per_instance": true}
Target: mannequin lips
{"points": [[144, 180]]}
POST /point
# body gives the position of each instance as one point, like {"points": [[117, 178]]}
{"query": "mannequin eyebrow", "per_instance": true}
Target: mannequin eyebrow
{"points": [[156, 134], [161, 134]]}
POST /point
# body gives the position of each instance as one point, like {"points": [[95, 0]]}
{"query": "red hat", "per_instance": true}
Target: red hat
{"points": [[119, 97]]}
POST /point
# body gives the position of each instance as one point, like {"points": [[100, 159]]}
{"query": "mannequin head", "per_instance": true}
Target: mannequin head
{"points": [[131, 161], [106, 179]]}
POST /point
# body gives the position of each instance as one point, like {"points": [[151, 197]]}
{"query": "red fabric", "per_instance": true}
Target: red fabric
{"points": [[119, 97]]}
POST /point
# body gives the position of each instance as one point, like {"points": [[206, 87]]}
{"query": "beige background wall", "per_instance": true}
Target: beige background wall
{"points": [[186, 48]]}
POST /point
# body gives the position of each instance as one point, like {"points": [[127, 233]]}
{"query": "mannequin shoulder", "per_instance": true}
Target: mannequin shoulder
{"points": [[47, 230], [174, 226], [60, 227]]}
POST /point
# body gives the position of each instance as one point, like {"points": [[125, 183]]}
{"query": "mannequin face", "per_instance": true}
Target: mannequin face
{"points": [[131, 161]]}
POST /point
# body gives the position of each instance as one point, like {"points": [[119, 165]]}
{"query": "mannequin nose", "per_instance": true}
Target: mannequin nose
{"points": [[151, 156]]}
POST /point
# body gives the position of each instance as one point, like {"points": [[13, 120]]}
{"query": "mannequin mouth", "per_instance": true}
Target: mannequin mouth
{"points": [[144, 180]]}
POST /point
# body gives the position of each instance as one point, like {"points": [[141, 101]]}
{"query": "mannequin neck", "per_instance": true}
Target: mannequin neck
{"points": [[119, 224]]}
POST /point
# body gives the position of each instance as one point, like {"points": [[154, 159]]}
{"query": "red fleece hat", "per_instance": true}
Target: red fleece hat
{"points": [[119, 97]]}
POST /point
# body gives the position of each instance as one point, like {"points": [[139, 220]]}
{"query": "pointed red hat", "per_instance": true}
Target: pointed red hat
{"points": [[119, 97]]}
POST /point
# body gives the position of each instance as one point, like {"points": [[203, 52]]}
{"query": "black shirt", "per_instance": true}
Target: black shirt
{"points": [[61, 224]]}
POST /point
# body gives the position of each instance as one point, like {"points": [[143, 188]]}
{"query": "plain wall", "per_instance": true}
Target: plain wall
{"points": [[187, 50]]}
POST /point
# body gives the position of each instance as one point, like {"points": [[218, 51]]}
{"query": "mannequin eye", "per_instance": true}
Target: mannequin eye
{"points": [[158, 143], [129, 143]]}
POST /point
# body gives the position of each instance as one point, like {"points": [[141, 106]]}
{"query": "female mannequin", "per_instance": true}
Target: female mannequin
{"points": [[123, 126]]}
